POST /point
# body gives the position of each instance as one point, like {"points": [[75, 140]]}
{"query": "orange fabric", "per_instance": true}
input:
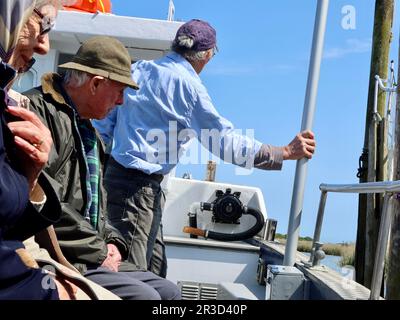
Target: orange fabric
{"points": [[91, 6]]}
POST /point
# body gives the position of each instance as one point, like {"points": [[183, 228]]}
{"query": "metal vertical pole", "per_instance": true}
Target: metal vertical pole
{"points": [[383, 239], [318, 224], [308, 117]]}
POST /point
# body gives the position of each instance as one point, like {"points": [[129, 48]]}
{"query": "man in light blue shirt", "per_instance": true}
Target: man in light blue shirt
{"points": [[152, 129]]}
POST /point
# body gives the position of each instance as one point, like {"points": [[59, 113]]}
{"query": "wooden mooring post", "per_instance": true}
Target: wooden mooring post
{"points": [[374, 146], [393, 263]]}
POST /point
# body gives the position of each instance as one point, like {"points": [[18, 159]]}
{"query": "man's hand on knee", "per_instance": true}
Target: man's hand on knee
{"points": [[113, 260]]}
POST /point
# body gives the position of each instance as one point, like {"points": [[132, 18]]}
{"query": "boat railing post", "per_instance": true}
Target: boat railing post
{"points": [[308, 118], [383, 238], [376, 116], [318, 224]]}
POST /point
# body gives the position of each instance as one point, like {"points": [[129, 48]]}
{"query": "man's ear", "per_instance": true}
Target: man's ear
{"points": [[209, 54], [94, 83]]}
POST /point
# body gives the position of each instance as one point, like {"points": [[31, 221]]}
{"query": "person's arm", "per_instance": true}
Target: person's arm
{"points": [[79, 241], [269, 158], [33, 221], [303, 145], [18, 217], [23, 281], [245, 151], [32, 141], [114, 237], [113, 260], [219, 136], [15, 207], [14, 189]]}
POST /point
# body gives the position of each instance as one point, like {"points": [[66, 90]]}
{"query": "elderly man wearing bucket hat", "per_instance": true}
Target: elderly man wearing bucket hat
{"points": [[172, 99], [93, 84]]}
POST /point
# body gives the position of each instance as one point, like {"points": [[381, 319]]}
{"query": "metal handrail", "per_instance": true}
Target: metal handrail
{"points": [[388, 188], [368, 187]]}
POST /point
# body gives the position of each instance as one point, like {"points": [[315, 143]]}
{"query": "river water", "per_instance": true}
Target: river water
{"points": [[332, 262]]}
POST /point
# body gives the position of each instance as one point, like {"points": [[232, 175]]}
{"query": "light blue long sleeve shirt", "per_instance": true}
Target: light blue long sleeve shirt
{"points": [[154, 126]]}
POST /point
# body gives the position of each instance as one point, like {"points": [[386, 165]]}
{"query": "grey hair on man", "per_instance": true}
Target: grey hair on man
{"points": [[194, 40], [75, 78], [184, 45]]}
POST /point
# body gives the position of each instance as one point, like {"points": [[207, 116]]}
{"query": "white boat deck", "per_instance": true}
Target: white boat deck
{"points": [[333, 285], [190, 259]]}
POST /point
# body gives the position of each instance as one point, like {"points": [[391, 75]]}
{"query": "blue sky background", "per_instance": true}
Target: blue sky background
{"points": [[258, 81]]}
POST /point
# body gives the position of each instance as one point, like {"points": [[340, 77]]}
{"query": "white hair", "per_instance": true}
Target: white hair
{"points": [[75, 78], [185, 41], [183, 45]]}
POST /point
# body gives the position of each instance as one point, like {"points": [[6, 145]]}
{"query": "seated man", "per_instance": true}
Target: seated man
{"points": [[93, 84]]}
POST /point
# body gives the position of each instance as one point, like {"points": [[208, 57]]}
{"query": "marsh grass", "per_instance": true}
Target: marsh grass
{"points": [[345, 250]]}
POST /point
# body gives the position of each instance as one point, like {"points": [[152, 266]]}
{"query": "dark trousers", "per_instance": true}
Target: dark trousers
{"points": [[136, 285], [135, 203]]}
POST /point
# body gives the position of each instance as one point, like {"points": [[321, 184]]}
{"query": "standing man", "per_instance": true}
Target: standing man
{"points": [[172, 99], [93, 84]]}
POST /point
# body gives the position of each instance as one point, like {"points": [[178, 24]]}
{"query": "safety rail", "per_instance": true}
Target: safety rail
{"points": [[388, 188]]}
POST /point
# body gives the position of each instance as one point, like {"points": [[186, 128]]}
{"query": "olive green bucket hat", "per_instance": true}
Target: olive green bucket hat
{"points": [[104, 56]]}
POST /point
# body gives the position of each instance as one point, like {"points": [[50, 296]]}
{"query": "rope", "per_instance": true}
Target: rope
{"points": [[103, 9], [102, 6], [363, 164]]}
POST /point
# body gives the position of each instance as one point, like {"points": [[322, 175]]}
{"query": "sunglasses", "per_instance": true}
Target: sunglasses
{"points": [[46, 23], [215, 51]]}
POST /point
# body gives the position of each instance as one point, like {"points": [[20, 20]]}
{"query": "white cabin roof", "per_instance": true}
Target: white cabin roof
{"points": [[144, 38]]}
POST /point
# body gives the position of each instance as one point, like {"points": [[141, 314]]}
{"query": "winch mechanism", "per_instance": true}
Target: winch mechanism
{"points": [[227, 209]]}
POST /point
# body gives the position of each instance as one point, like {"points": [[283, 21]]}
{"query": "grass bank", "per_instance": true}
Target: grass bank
{"points": [[345, 250]]}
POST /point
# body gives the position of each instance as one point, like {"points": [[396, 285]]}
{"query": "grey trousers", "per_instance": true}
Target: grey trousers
{"points": [[135, 202], [137, 285]]}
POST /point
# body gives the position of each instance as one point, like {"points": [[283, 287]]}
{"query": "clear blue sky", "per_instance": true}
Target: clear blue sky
{"points": [[258, 81]]}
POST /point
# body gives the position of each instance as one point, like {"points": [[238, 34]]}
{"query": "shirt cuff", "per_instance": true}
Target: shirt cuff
{"points": [[38, 197], [19, 99], [269, 158]]}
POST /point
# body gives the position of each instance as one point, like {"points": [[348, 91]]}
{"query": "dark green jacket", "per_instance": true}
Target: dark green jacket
{"points": [[81, 244]]}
